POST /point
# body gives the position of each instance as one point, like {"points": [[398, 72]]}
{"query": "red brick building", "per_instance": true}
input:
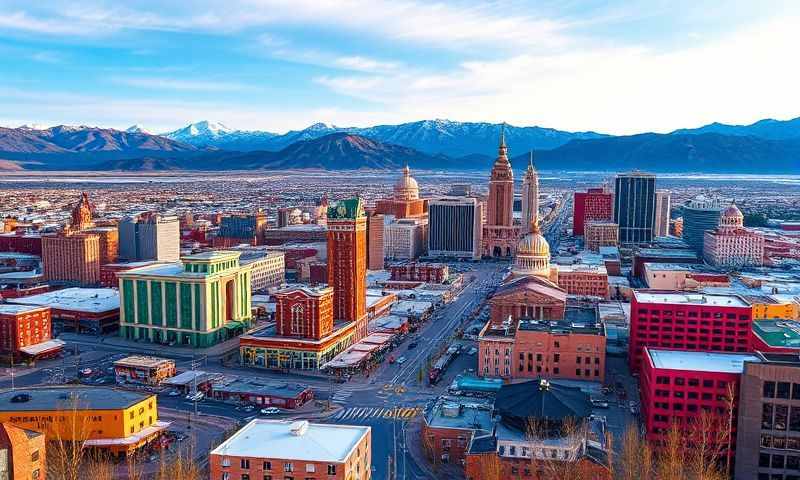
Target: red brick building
{"points": [[688, 321], [282, 449], [304, 312], [26, 332], [72, 258], [108, 272], [24, 453], [21, 242], [593, 205], [419, 272], [678, 387], [375, 232], [500, 235], [93, 310], [108, 243], [347, 262], [529, 297], [574, 349], [449, 427], [583, 280], [405, 202]]}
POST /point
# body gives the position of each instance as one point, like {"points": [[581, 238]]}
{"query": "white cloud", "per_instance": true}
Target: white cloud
{"points": [[160, 83], [742, 77], [22, 21], [365, 64]]}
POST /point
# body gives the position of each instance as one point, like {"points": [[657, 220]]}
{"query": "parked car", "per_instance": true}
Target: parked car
{"points": [[85, 372], [412, 345], [270, 411], [248, 408], [597, 403], [472, 351], [173, 393], [401, 360]]}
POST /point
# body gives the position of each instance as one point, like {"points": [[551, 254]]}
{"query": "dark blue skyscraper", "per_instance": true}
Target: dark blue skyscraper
{"points": [[635, 207]]}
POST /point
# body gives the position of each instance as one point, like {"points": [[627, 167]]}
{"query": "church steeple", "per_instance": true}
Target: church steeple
{"points": [[503, 149]]}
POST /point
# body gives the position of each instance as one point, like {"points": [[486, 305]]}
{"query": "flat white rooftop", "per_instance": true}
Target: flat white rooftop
{"points": [[700, 361], [275, 439], [8, 309], [690, 298], [92, 300]]}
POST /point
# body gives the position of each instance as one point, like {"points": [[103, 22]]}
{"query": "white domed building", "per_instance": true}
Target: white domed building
{"points": [[731, 244], [531, 291]]}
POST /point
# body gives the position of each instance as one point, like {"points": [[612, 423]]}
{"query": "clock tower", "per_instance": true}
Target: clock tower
{"points": [[347, 262]]}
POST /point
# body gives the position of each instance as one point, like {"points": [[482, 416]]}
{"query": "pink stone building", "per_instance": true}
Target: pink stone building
{"points": [[500, 235], [731, 244]]}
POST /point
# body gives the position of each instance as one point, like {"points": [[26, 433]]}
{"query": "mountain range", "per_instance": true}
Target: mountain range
{"points": [[766, 146], [433, 137]]}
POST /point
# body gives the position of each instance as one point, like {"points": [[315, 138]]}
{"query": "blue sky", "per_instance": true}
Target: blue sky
{"points": [[611, 66]]}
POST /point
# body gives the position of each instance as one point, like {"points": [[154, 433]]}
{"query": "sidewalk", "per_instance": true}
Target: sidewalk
{"points": [[413, 434], [214, 351]]}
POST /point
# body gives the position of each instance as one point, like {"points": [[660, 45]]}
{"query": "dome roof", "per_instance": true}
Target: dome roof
{"points": [[533, 253], [533, 244], [732, 212], [406, 187]]}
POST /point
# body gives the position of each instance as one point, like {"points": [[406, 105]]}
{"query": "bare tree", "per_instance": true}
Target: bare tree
{"points": [[635, 460], [66, 452]]}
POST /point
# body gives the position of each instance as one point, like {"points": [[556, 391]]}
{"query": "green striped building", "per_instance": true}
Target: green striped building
{"points": [[201, 301]]}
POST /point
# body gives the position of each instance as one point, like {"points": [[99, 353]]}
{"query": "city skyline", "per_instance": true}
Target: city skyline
{"points": [[278, 66]]}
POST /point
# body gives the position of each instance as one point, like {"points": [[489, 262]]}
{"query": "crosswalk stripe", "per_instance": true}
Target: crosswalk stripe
{"points": [[356, 413]]}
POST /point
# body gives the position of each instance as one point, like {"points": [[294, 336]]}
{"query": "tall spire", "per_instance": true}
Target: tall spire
{"points": [[535, 225], [531, 167], [503, 149]]}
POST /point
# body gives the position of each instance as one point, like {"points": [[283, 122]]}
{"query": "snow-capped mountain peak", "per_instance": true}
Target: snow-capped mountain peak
{"points": [[320, 126], [33, 126], [136, 129], [213, 128]]}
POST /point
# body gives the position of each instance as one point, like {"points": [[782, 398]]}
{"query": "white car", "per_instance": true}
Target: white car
{"points": [[401, 360], [195, 397], [270, 411]]}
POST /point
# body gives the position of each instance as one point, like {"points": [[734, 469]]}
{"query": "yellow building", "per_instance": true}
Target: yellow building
{"points": [[118, 421], [768, 307]]}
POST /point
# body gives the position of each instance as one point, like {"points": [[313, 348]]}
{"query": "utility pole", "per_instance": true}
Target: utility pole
{"points": [[12, 371]]}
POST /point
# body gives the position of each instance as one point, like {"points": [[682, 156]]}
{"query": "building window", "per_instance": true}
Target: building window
{"points": [[769, 390], [226, 462], [267, 465], [783, 390], [331, 469], [245, 464], [245, 476], [311, 468], [35, 456], [298, 323], [288, 467]]}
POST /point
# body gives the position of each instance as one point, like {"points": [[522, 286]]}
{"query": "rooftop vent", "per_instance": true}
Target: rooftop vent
{"points": [[298, 429], [451, 410]]}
